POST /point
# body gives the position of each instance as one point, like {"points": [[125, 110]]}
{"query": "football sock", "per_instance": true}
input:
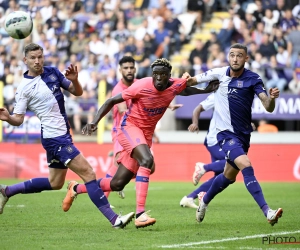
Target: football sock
{"points": [[202, 188], [98, 198], [35, 185], [141, 184], [253, 186], [107, 192], [218, 185], [217, 166], [105, 184], [80, 188], [265, 209]]}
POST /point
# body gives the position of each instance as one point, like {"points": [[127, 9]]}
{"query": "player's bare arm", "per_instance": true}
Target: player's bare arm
{"points": [[89, 128], [191, 81], [71, 74], [175, 106], [15, 119], [269, 101], [195, 118]]}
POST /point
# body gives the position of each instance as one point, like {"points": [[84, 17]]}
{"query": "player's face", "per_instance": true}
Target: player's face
{"points": [[127, 71], [237, 59], [161, 76], [35, 62]]}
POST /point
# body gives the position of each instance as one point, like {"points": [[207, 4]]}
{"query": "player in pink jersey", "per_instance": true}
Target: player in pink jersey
{"points": [[150, 97], [127, 70]]}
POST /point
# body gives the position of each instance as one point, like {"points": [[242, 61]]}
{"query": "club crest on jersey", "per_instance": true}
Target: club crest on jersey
{"points": [[231, 142], [52, 77], [239, 84], [69, 149]]}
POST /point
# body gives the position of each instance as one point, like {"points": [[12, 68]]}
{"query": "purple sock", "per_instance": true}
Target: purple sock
{"points": [[265, 209], [217, 166], [202, 188], [35, 185], [253, 186], [98, 198], [218, 185]]}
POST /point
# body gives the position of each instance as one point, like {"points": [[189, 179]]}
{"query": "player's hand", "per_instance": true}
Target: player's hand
{"points": [[212, 86], [193, 128], [190, 80], [174, 107], [253, 126], [71, 73], [274, 93], [4, 114], [89, 128]]}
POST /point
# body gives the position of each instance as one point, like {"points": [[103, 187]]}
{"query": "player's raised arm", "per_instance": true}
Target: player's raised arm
{"points": [[75, 87], [207, 76], [269, 101], [89, 128], [15, 119]]}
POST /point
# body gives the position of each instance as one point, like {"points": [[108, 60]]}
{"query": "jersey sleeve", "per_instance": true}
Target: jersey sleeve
{"points": [[259, 87], [209, 102], [210, 75], [133, 91], [21, 101], [63, 81]]}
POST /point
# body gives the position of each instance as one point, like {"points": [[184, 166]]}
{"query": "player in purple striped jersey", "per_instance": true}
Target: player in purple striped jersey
{"points": [[40, 91], [233, 101]]}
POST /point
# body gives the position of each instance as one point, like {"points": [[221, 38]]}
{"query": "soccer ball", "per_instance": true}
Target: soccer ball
{"points": [[18, 24]]}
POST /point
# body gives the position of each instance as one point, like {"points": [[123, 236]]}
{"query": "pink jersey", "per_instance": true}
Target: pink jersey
{"points": [[148, 104]]}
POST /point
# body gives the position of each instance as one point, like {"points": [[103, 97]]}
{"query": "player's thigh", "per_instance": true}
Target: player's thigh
{"points": [[81, 167], [230, 172], [57, 177]]}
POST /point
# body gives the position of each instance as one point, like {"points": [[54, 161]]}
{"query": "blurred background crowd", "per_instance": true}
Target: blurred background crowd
{"points": [[95, 34]]}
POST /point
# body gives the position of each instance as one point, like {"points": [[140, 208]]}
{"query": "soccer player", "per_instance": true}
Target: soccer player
{"points": [[233, 101], [217, 155], [150, 98], [127, 70], [40, 91]]}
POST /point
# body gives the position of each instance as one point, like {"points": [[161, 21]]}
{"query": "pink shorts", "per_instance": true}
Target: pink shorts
{"points": [[130, 137]]}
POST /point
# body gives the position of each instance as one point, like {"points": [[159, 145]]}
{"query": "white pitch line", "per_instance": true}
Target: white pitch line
{"points": [[226, 239]]}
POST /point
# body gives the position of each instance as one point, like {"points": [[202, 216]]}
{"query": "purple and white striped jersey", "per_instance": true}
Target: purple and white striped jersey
{"points": [[233, 99], [43, 96]]}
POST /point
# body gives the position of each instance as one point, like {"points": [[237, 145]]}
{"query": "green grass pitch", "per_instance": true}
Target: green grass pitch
{"points": [[233, 220]]}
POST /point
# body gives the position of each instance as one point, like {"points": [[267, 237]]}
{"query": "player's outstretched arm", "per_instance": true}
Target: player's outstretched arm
{"points": [[211, 87], [269, 101], [15, 119], [89, 128]]}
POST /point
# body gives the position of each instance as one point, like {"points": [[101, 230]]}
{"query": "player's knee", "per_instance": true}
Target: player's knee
{"points": [[147, 162], [117, 185]]}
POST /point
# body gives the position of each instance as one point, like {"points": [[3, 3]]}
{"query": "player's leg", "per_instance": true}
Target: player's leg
{"points": [[220, 183], [57, 174], [144, 157], [35, 185], [82, 168], [255, 190]]}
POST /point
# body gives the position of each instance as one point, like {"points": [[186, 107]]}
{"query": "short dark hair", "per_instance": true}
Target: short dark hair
{"points": [[126, 59], [161, 62], [32, 47], [239, 46]]}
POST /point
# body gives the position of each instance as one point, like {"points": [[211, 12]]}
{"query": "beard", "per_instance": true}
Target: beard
{"points": [[128, 80], [236, 69]]}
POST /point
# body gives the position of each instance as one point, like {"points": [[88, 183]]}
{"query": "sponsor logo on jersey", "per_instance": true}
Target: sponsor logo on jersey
{"points": [[155, 111]]}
